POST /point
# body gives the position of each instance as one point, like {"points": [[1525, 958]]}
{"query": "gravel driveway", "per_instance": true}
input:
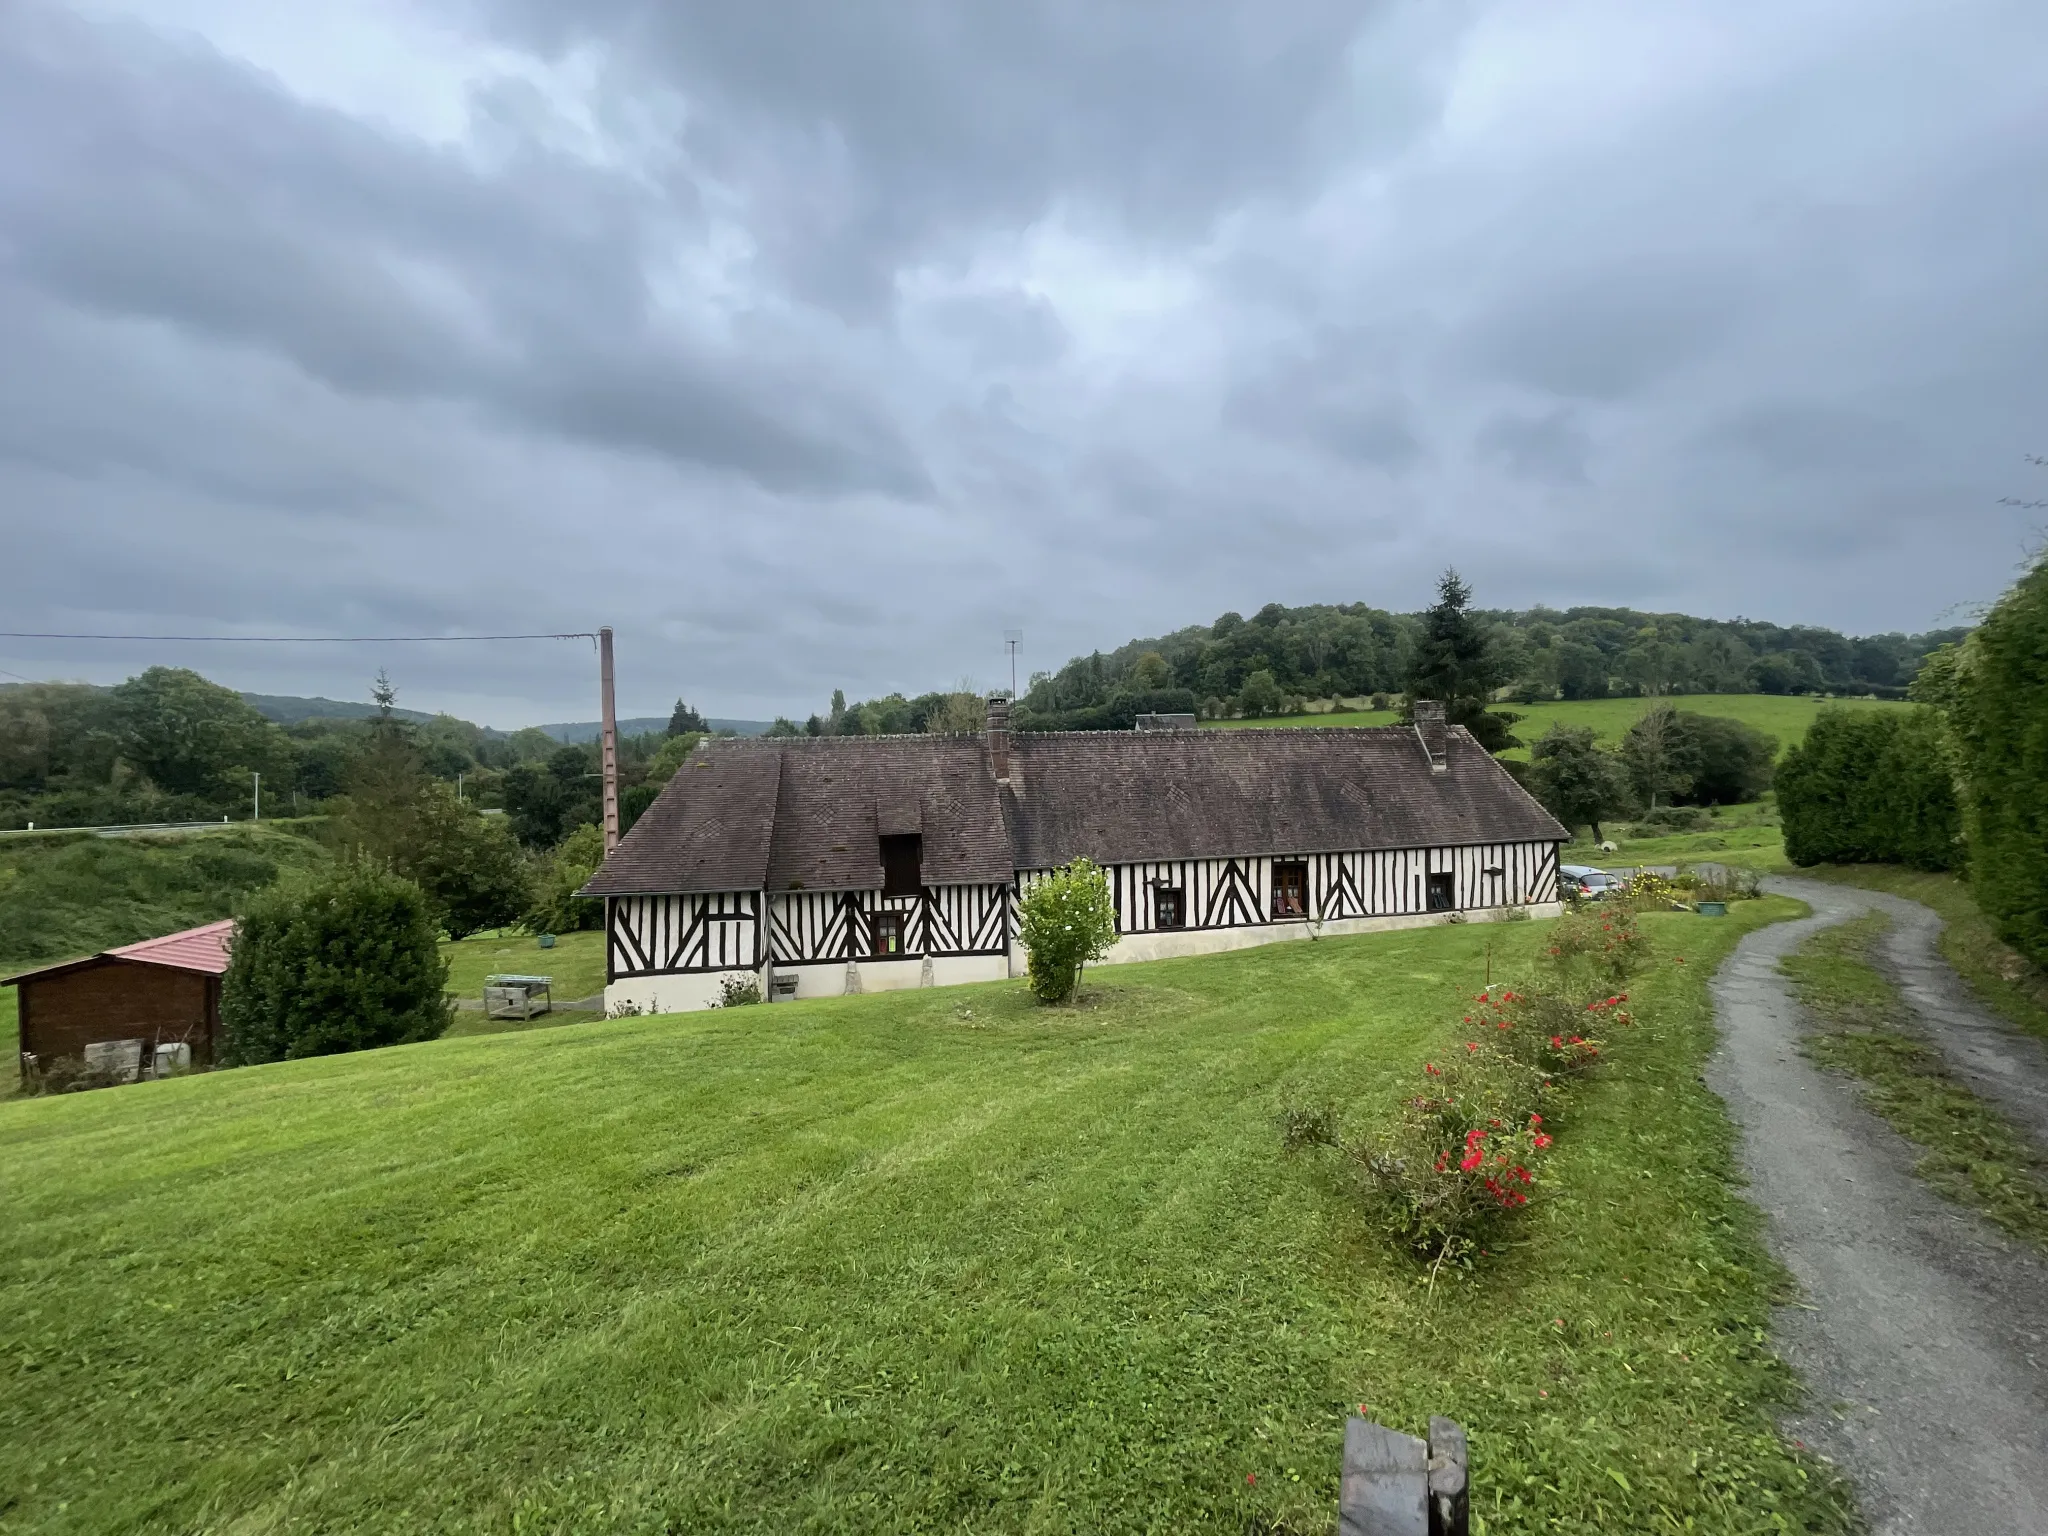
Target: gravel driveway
{"points": [[1923, 1332]]}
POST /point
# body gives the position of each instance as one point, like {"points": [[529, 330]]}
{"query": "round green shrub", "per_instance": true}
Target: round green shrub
{"points": [[344, 964], [1065, 920]]}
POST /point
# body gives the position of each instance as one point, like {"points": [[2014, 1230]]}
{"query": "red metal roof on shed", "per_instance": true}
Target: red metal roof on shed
{"points": [[196, 949]]}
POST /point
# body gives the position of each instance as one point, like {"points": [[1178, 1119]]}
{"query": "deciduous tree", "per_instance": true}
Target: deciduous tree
{"points": [[1578, 783]]}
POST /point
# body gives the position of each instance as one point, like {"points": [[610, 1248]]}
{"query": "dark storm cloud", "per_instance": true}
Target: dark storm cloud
{"points": [[813, 344], [869, 135], [167, 184]]}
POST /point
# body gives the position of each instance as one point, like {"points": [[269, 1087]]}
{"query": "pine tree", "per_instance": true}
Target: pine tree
{"points": [[1455, 663]]}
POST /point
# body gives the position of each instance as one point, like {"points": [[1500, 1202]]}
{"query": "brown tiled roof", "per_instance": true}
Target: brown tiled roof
{"points": [[820, 824], [708, 830], [1122, 797], [790, 812]]}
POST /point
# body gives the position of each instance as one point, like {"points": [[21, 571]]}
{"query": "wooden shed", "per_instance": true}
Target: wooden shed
{"points": [[163, 991]]}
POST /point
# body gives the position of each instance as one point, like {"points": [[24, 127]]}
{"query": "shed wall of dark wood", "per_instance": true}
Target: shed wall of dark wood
{"points": [[119, 1000]]}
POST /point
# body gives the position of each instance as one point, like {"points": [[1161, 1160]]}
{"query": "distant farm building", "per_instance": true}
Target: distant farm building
{"points": [[831, 865], [161, 992]]}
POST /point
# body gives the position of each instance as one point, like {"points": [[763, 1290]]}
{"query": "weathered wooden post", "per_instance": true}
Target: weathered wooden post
{"points": [[1450, 1497], [1396, 1485]]}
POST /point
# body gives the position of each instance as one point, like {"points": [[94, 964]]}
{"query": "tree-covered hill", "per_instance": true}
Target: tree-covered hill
{"points": [[1268, 663], [1351, 650]]}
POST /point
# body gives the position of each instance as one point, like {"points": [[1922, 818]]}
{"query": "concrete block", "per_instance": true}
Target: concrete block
{"points": [[1385, 1488]]}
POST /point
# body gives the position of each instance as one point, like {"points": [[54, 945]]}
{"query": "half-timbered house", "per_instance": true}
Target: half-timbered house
{"points": [[838, 864]]}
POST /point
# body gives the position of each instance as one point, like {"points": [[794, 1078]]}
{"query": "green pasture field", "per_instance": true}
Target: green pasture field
{"points": [[935, 1260], [1750, 835], [1786, 718]]}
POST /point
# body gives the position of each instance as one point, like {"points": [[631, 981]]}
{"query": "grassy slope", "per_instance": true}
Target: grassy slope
{"points": [[1785, 718], [918, 1261], [63, 897], [1972, 1155]]}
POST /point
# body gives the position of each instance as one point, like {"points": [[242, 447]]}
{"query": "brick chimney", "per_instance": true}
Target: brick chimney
{"points": [[1434, 735], [998, 734]]}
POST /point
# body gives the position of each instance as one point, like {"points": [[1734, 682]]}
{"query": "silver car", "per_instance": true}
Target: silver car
{"points": [[1585, 882]]}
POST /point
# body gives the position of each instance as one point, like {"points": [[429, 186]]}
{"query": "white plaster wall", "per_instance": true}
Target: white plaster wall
{"points": [[681, 994], [701, 989], [668, 994], [1169, 943], [893, 975]]}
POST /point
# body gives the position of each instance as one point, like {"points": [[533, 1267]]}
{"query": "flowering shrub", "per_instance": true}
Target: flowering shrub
{"points": [[1464, 1154], [1645, 891], [1594, 950], [1544, 1030], [1461, 1156]]}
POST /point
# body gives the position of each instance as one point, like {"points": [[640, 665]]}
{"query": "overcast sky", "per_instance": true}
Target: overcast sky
{"points": [[813, 344]]}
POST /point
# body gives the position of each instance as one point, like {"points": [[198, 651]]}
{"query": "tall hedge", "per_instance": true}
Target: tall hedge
{"points": [[1998, 718], [1870, 787], [343, 965]]}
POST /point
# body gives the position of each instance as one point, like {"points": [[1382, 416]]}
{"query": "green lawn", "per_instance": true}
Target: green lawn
{"points": [[576, 962], [929, 1260], [1784, 718]]}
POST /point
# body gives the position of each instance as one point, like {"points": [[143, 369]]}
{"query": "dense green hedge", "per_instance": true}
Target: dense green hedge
{"points": [[1999, 720], [1869, 787]]}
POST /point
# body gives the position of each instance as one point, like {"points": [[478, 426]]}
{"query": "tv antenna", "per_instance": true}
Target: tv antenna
{"points": [[1012, 638]]}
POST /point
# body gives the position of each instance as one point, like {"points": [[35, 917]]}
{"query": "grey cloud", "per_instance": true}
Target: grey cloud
{"points": [[878, 329], [1784, 438], [1010, 329], [1611, 331], [1339, 398], [1552, 447]]}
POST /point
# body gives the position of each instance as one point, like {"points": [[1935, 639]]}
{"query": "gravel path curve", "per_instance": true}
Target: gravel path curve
{"points": [[1922, 1332]]}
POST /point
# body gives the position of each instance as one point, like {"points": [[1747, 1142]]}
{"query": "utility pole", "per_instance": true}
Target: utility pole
{"points": [[258, 816], [1012, 638], [608, 737]]}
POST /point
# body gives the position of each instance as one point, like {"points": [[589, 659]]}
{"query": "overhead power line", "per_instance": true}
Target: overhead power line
{"points": [[570, 634]]}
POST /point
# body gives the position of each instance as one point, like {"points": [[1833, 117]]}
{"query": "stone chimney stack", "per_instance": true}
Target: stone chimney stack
{"points": [[1433, 733], [998, 734]]}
